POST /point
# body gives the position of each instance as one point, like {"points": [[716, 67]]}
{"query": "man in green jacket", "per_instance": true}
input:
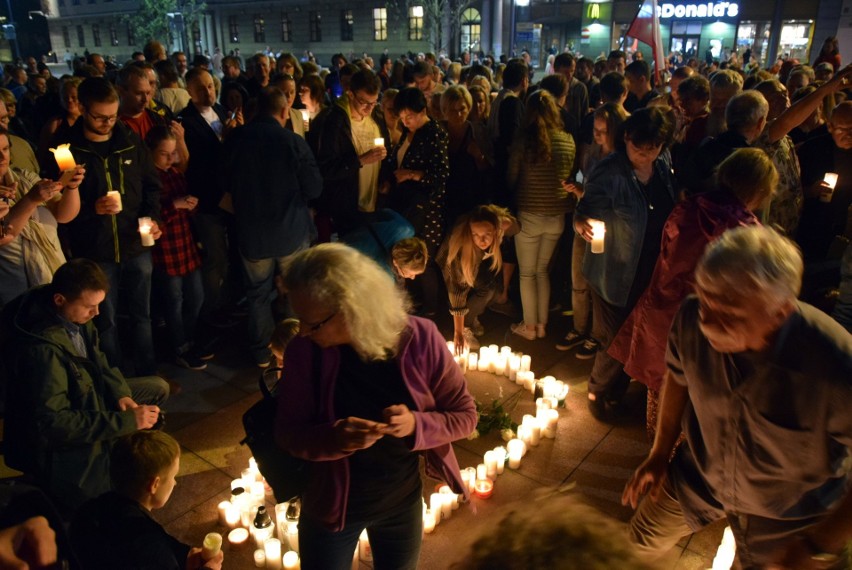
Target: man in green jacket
{"points": [[66, 404]]}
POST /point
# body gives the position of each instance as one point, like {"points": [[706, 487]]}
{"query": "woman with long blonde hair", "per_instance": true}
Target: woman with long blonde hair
{"points": [[541, 158], [470, 282]]}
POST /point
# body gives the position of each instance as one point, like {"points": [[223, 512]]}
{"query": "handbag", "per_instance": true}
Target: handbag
{"points": [[288, 476]]}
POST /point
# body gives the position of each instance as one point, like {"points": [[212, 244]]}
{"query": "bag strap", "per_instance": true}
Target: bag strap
{"points": [[268, 392]]}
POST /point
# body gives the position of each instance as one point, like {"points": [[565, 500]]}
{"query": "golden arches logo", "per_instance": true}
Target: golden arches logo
{"points": [[594, 11]]}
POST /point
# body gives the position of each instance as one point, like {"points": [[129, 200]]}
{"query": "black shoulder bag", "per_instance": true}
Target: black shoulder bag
{"points": [[287, 475]]}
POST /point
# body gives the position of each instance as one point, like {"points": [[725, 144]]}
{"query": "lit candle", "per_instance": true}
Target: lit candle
{"points": [[293, 535], [291, 560], [428, 521], [500, 457], [481, 471], [454, 498], [831, 180], [501, 365], [465, 475], [451, 346], [259, 558], [472, 360], [236, 484], [506, 351], [435, 502], [272, 550], [515, 448], [145, 227], [598, 233], [378, 141], [222, 507], [238, 537], [306, 118], [211, 546], [727, 551], [64, 158], [484, 361], [490, 465], [115, 196], [526, 363], [514, 366], [364, 550], [533, 430], [552, 421], [471, 478], [484, 488]]}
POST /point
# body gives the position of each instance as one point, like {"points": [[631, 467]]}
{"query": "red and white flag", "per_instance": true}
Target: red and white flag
{"points": [[646, 28]]}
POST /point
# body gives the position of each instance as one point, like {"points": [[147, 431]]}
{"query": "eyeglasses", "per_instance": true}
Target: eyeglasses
{"points": [[103, 118], [308, 329], [368, 104]]}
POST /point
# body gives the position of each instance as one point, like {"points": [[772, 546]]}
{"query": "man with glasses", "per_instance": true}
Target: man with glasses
{"points": [[107, 228], [271, 175], [348, 155]]}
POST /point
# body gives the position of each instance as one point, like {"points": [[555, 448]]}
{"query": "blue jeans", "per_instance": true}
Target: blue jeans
{"points": [[132, 277], [182, 298], [395, 539], [148, 390], [260, 292]]}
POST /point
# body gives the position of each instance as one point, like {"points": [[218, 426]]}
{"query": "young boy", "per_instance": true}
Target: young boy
{"points": [[116, 530]]}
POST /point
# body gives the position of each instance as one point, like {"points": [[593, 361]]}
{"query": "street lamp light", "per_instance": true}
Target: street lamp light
{"points": [[516, 4], [10, 30]]}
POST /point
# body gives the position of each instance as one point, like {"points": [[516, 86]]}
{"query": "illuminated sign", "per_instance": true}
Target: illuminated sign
{"points": [[594, 11], [707, 10]]}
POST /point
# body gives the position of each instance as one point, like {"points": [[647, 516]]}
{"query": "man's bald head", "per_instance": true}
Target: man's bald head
{"points": [[840, 125]]}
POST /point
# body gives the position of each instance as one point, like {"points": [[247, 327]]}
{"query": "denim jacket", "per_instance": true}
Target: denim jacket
{"points": [[612, 195]]}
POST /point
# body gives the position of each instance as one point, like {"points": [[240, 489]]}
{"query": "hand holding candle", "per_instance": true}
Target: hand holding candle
{"points": [[146, 226], [379, 141], [109, 204], [598, 233], [64, 158], [830, 180]]}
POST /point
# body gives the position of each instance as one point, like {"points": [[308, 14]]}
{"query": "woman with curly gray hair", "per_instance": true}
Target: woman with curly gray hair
{"points": [[365, 390]]}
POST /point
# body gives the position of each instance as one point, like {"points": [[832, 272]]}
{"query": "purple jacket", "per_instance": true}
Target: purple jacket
{"points": [[445, 412]]}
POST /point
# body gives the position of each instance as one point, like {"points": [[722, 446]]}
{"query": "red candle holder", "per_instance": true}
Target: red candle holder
{"points": [[483, 488]]}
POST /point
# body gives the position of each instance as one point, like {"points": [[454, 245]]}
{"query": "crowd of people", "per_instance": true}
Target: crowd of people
{"points": [[199, 191]]}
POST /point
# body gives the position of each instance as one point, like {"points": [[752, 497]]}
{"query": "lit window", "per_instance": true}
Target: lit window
{"points": [[415, 23], [380, 24]]}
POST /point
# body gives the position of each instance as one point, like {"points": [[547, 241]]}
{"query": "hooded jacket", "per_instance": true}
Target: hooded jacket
{"points": [[642, 340], [62, 409]]}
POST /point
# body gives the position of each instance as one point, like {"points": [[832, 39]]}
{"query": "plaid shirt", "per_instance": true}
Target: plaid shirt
{"points": [[176, 252]]}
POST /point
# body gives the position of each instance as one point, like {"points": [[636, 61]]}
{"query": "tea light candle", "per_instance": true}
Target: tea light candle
{"points": [[259, 558], [379, 141], [500, 458], [291, 560], [272, 550], [238, 537], [515, 450], [484, 488], [63, 156], [145, 227], [364, 550], [115, 195], [428, 521], [598, 233]]}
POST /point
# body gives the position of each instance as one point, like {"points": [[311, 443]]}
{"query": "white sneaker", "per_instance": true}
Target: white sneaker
{"points": [[521, 330], [470, 340]]}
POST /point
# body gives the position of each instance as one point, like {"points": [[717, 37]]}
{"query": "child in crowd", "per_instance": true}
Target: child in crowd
{"points": [[116, 530], [284, 332], [177, 262]]}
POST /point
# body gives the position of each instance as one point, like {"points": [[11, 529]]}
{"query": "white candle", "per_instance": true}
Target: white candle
{"points": [[293, 536], [727, 551], [451, 346], [115, 195], [471, 478], [272, 549], [515, 450], [364, 550], [501, 366], [238, 537], [472, 360], [379, 141], [481, 471], [551, 423], [526, 363], [222, 507], [211, 546], [500, 457], [428, 521], [259, 558], [291, 560], [145, 227], [306, 115], [490, 465], [514, 365], [453, 498], [506, 351], [446, 505], [465, 475], [534, 432], [63, 156], [435, 502], [598, 233]]}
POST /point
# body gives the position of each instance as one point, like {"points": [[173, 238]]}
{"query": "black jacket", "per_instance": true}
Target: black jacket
{"points": [[205, 153], [127, 167]]}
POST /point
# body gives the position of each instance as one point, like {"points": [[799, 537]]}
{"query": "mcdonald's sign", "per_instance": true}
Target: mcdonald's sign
{"points": [[594, 11]]}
